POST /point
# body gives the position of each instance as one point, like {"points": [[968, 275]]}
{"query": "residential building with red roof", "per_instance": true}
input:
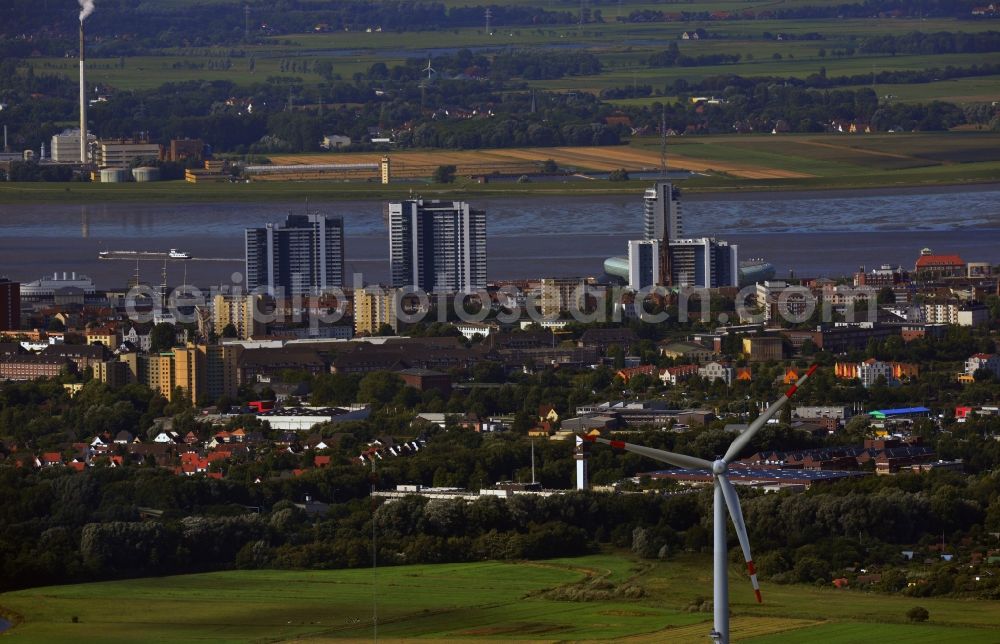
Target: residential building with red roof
{"points": [[630, 372], [939, 265], [50, 459], [673, 375]]}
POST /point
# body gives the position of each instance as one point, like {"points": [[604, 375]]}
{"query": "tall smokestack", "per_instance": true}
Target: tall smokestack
{"points": [[83, 100]]}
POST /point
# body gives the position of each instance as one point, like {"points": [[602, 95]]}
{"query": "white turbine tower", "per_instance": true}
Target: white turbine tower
{"points": [[725, 496]]}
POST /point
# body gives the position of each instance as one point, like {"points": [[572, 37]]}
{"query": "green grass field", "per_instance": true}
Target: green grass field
{"points": [[622, 47], [482, 601]]}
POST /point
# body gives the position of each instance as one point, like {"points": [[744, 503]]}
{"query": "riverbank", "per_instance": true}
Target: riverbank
{"points": [[900, 182], [528, 236]]}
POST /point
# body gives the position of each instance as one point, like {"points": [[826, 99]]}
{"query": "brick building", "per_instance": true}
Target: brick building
{"points": [[30, 367], [10, 305]]}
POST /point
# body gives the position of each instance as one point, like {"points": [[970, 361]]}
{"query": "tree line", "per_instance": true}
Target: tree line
{"points": [[941, 42], [159, 25]]}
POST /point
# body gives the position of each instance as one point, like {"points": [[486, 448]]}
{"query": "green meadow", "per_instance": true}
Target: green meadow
{"points": [[488, 601], [622, 47]]}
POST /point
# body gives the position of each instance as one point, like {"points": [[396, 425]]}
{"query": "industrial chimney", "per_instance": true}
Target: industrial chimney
{"points": [[83, 103]]}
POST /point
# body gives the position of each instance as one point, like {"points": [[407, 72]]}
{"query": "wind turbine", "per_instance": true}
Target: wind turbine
{"points": [[430, 70], [725, 496]]}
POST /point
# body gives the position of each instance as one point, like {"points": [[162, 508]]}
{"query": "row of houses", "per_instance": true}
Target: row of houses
{"points": [[885, 456]]}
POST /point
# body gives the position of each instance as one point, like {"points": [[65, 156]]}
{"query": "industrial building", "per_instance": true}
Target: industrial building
{"points": [[756, 477], [320, 171], [305, 418], [65, 146], [120, 153], [46, 287], [181, 149]]}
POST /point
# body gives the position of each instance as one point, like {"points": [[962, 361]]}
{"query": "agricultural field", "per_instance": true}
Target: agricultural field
{"points": [[961, 91], [622, 47], [799, 67], [490, 601], [796, 156], [421, 163], [720, 163]]}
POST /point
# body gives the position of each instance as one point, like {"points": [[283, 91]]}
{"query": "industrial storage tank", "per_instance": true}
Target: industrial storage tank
{"points": [[146, 173], [114, 175]]}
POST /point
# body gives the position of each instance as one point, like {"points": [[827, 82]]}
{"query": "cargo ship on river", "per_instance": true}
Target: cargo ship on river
{"points": [[143, 254]]}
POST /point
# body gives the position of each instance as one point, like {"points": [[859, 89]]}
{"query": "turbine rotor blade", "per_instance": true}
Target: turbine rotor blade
{"points": [[680, 460], [733, 503], [744, 438]]}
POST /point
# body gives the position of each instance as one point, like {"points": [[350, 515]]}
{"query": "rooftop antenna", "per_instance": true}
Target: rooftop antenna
{"points": [[163, 284], [374, 479], [663, 141], [725, 498]]}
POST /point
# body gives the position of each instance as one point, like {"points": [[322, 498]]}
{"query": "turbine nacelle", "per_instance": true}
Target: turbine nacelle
{"points": [[719, 467]]}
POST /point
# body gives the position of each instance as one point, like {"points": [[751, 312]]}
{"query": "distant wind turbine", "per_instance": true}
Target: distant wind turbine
{"points": [[725, 496], [430, 70]]}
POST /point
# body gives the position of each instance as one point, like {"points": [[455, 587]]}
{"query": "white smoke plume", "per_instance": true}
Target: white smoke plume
{"points": [[86, 8]]}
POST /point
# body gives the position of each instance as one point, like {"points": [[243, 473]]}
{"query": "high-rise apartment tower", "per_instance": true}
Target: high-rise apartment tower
{"points": [[303, 255], [437, 246]]}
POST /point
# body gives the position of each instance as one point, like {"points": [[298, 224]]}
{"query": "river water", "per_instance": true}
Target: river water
{"points": [[821, 233]]}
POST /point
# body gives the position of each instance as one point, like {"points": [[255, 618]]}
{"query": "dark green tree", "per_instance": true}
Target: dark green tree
{"points": [[444, 174], [162, 337]]}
